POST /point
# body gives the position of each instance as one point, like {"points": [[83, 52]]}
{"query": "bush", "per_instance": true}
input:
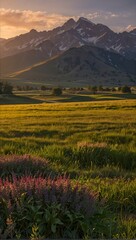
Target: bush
{"points": [[113, 89], [119, 89], [43, 88], [93, 89], [5, 88], [23, 165], [1, 87], [57, 91], [100, 88], [126, 89], [38, 207]]}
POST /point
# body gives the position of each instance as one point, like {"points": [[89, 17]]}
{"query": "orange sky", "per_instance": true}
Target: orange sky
{"points": [[15, 22], [20, 16]]}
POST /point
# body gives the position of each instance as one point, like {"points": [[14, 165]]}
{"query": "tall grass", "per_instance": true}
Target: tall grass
{"points": [[93, 143]]}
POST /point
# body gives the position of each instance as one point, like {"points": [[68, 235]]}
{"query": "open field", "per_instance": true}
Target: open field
{"points": [[38, 96], [94, 143]]}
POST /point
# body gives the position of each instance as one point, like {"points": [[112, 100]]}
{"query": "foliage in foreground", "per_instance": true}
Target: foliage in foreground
{"points": [[32, 206], [93, 142], [23, 165], [52, 207]]}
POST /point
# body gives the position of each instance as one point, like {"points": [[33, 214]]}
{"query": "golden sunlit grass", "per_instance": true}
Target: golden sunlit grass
{"points": [[92, 142], [37, 128]]}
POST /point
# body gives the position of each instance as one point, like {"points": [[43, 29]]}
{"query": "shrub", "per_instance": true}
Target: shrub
{"points": [[119, 89], [1, 86], [100, 88], [43, 88], [126, 89], [57, 91], [23, 165], [93, 89], [44, 207], [113, 89], [5, 88]]}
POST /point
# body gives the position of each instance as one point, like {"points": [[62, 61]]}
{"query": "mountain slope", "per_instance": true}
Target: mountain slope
{"points": [[31, 40], [84, 65], [25, 59]]}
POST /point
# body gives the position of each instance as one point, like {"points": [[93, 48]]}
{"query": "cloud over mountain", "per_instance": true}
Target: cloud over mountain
{"points": [[22, 21], [15, 22]]}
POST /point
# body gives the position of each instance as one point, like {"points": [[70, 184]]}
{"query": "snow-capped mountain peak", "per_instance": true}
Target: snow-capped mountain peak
{"points": [[71, 34]]}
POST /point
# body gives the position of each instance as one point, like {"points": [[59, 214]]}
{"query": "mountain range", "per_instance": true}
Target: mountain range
{"points": [[77, 51]]}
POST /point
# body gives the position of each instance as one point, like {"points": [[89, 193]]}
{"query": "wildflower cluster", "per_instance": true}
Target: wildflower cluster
{"points": [[55, 206]]}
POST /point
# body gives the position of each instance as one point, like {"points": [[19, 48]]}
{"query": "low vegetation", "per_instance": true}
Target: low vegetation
{"points": [[33, 203], [68, 170], [57, 91], [126, 89], [5, 88]]}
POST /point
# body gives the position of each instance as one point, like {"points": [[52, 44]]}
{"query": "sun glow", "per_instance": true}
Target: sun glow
{"points": [[14, 22]]}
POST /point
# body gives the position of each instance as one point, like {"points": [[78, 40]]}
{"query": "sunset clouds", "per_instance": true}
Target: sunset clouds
{"points": [[22, 21], [15, 22]]}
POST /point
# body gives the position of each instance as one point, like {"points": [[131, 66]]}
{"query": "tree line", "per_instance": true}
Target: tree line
{"points": [[123, 89], [6, 88]]}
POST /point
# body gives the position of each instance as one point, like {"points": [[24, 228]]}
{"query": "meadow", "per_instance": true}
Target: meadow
{"points": [[93, 144]]}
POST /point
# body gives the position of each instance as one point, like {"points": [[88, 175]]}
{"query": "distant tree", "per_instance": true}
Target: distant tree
{"points": [[43, 88], [100, 88], [89, 88], [35, 88], [57, 91], [19, 88], [107, 89], [119, 89], [1, 87], [126, 89], [28, 88], [94, 89], [7, 88], [113, 89]]}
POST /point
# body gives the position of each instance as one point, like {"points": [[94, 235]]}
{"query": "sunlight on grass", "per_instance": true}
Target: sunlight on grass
{"points": [[94, 143]]}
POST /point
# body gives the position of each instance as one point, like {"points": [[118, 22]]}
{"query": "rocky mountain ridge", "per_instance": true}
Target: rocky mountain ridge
{"points": [[72, 34]]}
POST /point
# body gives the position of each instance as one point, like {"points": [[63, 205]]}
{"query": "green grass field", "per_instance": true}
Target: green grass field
{"points": [[93, 142]]}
